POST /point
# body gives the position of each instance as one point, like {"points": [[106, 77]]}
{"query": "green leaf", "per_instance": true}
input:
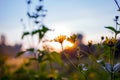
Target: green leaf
{"points": [[44, 29], [34, 32], [116, 67], [24, 34], [43, 66], [56, 57], [41, 55], [118, 32], [40, 58], [20, 53], [41, 34], [30, 49], [111, 28], [101, 62]]}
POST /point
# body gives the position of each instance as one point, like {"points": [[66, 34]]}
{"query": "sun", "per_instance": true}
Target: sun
{"points": [[55, 46], [67, 44]]}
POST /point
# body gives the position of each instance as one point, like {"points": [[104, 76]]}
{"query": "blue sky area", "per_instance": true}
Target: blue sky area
{"points": [[65, 16]]}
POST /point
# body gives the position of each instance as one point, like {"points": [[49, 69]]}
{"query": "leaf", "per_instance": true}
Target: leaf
{"points": [[43, 66], [36, 22], [118, 32], [41, 55], [30, 49], [41, 31], [44, 29], [116, 68], [55, 57], [41, 34], [20, 53], [111, 28], [34, 15], [28, 14], [25, 34], [108, 67], [40, 58], [39, 8], [101, 62], [34, 32]]}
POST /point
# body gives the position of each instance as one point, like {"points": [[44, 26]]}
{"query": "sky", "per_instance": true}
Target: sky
{"points": [[65, 16]]}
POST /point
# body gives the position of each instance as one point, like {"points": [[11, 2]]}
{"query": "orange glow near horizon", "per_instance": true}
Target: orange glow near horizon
{"points": [[67, 44], [57, 46]]}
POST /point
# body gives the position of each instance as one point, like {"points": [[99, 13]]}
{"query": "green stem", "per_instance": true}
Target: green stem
{"points": [[114, 49], [112, 63], [112, 58]]}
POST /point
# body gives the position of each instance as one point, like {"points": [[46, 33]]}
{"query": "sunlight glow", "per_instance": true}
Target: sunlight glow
{"points": [[67, 44], [55, 46]]}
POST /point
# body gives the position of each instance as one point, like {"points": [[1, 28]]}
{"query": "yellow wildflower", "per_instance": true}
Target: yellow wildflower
{"points": [[110, 41], [60, 38], [72, 38], [89, 43]]}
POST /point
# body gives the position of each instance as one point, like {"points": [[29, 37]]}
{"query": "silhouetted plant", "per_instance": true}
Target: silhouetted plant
{"points": [[44, 58]]}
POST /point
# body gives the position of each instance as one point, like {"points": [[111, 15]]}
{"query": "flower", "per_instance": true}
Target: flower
{"points": [[102, 38], [72, 38], [110, 41], [89, 43], [116, 18], [60, 38]]}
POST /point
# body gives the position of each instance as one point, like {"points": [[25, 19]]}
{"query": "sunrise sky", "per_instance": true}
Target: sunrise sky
{"points": [[65, 16]]}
